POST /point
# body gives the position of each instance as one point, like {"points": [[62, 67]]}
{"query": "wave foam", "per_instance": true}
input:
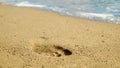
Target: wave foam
{"points": [[27, 4], [96, 15]]}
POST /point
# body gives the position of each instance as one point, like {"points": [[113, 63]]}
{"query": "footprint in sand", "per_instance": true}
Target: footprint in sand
{"points": [[50, 49]]}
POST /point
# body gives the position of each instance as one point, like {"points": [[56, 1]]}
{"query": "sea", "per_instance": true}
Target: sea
{"points": [[97, 10]]}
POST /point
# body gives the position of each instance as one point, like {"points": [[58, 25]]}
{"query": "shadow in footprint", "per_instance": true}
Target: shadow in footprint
{"points": [[65, 51]]}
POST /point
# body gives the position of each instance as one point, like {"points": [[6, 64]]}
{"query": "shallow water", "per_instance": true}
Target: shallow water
{"points": [[99, 10]]}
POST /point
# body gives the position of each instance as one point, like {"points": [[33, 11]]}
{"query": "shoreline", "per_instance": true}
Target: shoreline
{"points": [[33, 38], [100, 21]]}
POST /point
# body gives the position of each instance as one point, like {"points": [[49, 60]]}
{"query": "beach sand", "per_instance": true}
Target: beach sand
{"points": [[31, 38]]}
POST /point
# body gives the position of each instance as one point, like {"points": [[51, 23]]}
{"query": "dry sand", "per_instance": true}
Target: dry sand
{"points": [[31, 38]]}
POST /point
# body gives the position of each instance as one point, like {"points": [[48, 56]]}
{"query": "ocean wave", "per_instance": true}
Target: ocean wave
{"points": [[97, 17]]}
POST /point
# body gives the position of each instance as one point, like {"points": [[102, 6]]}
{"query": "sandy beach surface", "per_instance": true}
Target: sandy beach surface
{"points": [[31, 38]]}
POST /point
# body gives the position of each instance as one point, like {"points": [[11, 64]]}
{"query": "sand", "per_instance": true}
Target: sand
{"points": [[32, 38]]}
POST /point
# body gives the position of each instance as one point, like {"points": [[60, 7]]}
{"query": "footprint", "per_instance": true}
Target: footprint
{"points": [[50, 50]]}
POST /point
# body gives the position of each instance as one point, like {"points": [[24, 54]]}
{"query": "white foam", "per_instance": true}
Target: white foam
{"points": [[95, 15], [27, 4]]}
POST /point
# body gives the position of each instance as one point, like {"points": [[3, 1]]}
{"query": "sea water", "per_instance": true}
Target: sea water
{"points": [[99, 10]]}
